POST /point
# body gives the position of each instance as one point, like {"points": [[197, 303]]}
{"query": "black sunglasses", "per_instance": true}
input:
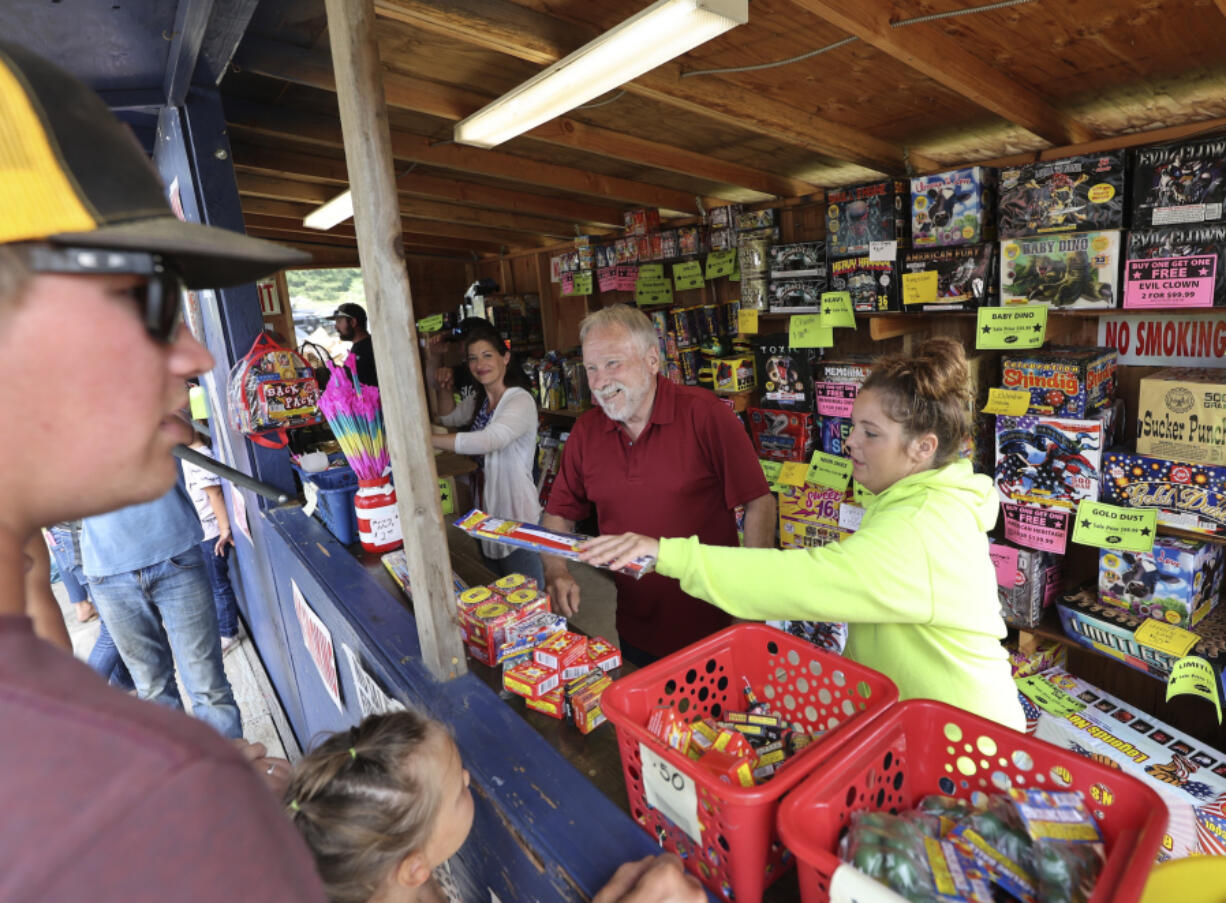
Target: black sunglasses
{"points": [[161, 295]]}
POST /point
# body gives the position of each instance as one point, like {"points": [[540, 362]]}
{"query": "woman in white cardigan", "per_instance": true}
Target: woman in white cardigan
{"points": [[498, 425]]}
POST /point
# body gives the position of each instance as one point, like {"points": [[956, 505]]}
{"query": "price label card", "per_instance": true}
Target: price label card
{"points": [[747, 321], [882, 251], [430, 324], [687, 275], [582, 284], [670, 792], [1009, 402], [1112, 527], [720, 263], [651, 271], [653, 292], [1049, 698], [807, 331], [444, 495], [831, 471], [1011, 327], [793, 473], [919, 288], [861, 495], [1194, 676], [850, 517], [627, 278], [1169, 638], [1004, 559], [837, 310], [311, 492], [770, 470], [1045, 529], [568, 283], [606, 279]]}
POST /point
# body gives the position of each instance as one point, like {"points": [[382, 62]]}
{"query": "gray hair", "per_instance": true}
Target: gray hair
{"points": [[622, 316]]}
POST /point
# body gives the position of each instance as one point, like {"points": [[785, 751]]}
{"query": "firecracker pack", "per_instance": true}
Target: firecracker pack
{"points": [[782, 435], [1073, 194], [795, 296], [953, 208], [965, 277], [1179, 183], [1052, 461], [1029, 654], [1187, 496], [798, 260], [1189, 776], [1178, 581], [1181, 415], [784, 374], [859, 214], [1063, 382], [1176, 266], [484, 627], [872, 284], [520, 535], [1070, 272], [1027, 582]]}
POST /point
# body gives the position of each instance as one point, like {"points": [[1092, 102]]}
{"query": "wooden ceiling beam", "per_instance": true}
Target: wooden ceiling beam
{"points": [[929, 50], [306, 67], [324, 131], [419, 239], [324, 256], [282, 236], [505, 27]]}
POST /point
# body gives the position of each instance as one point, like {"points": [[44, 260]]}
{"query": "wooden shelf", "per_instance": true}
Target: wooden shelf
{"points": [[570, 413]]}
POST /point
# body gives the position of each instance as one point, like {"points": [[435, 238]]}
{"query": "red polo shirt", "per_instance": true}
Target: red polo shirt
{"points": [[683, 476]]}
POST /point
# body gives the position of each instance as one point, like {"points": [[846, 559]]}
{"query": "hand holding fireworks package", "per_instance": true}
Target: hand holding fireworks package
{"points": [[1179, 183], [965, 277], [783, 373], [1074, 194], [872, 284], [953, 208], [478, 524], [1063, 271], [859, 214], [1176, 266]]}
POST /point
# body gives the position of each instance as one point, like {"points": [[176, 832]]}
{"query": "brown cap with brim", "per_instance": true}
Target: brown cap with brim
{"points": [[72, 174]]}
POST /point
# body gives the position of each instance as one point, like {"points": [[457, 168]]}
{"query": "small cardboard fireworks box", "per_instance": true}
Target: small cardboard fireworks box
{"points": [[1030, 654], [782, 435], [734, 374], [1051, 461], [1176, 184], [504, 586], [561, 650], [1069, 272], [960, 278], [796, 296], [800, 260], [783, 372], [1063, 382], [530, 680], [1178, 581], [953, 208], [1187, 496], [485, 627], [603, 654], [1074, 194], [1176, 266], [1027, 581], [859, 214], [872, 284], [552, 704], [1181, 415]]}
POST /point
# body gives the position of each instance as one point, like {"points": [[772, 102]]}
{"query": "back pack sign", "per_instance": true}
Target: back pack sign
{"points": [[272, 389]]}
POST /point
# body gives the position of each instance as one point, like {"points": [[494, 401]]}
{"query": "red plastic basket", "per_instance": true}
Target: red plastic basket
{"points": [[726, 833], [920, 747]]}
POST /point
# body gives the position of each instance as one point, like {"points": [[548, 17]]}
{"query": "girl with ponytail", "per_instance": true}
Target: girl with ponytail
{"points": [[915, 582]]}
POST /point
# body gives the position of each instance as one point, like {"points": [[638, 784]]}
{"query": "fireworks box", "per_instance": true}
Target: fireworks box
{"points": [[1187, 496], [953, 208], [552, 703], [1063, 382], [733, 374], [1190, 777], [782, 435], [832, 435], [1073, 194], [859, 214], [485, 626], [513, 583], [1027, 582], [1176, 266], [1029, 654], [965, 277], [871, 283], [783, 372], [1181, 415], [1179, 183], [530, 680], [796, 296], [1178, 581], [1069, 272], [1052, 461], [800, 260], [836, 382], [809, 516]]}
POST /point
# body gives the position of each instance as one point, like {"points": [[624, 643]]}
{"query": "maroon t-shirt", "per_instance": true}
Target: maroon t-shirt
{"points": [[683, 476], [106, 797]]}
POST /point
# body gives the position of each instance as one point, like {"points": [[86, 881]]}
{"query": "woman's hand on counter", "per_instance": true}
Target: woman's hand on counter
{"points": [[617, 551], [656, 879]]}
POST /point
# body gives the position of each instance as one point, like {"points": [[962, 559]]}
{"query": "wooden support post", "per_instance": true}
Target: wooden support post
{"points": [[368, 157]]}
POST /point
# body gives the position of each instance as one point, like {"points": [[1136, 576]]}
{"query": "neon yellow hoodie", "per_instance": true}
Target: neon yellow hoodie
{"points": [[915, 583]]}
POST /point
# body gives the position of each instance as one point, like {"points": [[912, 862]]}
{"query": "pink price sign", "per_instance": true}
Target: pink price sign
{"points": [[1045, 529], [835, 399], [1004, 559], [1170, 282]]}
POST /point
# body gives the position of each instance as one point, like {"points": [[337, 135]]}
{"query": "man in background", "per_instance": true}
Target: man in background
{"points": [[350, 320]]}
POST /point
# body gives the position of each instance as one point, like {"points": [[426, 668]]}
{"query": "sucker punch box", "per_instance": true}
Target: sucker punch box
{"points": [[965, 277], [1179, 183], [1176, 266], [859, 214], [953, 208], [1063, 271], [1063, 382], [1181, 415], [1074, 194], [872, 284]]}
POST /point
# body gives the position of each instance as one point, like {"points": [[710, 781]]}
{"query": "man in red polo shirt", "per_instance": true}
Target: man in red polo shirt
{"points": [[658, 459]]}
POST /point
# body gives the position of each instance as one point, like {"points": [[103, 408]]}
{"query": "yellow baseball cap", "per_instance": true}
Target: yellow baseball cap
{"points": [[72, 174]]}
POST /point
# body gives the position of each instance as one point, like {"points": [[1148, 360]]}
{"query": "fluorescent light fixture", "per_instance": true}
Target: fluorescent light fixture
{"points": [[333, 213], [666, 29]]}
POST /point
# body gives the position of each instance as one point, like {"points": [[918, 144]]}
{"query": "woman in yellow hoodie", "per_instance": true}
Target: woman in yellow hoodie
{"points": [[915, 582]]}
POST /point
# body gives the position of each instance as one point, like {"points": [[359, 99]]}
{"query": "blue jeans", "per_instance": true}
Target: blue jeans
{"points": [[175, 593], [105, 659], [520, 561], [70, 572], [218, 567]]}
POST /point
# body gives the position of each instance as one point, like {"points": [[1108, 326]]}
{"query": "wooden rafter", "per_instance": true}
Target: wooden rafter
{"points": [[528, 35], [290, 225], [927, 49]]}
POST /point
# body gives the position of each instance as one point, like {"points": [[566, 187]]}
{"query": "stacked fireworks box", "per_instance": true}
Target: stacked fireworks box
{"points": [[857, 216], [1177, 246], [1060, 224], [784, 427], [756, 233], [692, 339], [797, 277], [836, 383]]}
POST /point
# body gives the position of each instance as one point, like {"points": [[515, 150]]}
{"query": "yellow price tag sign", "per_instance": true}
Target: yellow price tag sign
{"points": [[1048, 697], [793, 473], [1114, 527], [1011, 327], [860, 495], [1169, 638], [831, 471], [652, 292], [687, 275], [837, 310], [721, 263], [651, 271], [1010, 402], [430, 324], [770, 470], [1193, 676], [445, 495], [747, 321], [807, 331], [919, 288], [582, 284]]}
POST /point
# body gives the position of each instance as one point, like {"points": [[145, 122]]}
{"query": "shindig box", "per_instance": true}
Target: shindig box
{"points": [[1181, 415]]}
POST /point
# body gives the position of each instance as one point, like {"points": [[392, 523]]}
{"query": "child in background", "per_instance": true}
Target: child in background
{"points": [[205, 491]]}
